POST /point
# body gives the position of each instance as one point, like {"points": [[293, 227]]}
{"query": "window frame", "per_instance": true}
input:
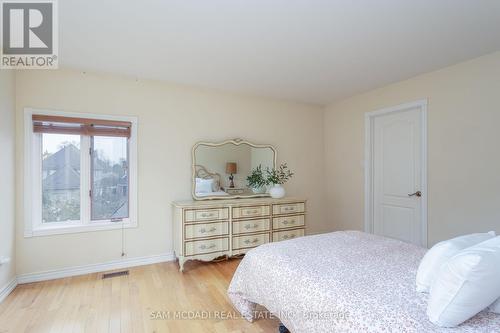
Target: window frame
{"points": [[33, 181]]}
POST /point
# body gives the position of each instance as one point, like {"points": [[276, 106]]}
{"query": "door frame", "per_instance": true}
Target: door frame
{"points": [[369, 194]]}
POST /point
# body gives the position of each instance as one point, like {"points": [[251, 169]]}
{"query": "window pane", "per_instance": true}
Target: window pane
{"points": [[109, 178], [60, 178]]}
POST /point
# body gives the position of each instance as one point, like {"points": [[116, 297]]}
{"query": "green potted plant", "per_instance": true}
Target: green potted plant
{"points": [[278, 177], [257, 181]]}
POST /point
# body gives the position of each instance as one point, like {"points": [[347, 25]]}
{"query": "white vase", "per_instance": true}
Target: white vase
{"points": [[277, 191]]}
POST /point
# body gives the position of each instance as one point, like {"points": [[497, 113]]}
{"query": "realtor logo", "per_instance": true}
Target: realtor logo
{"points": [[29, 34]]}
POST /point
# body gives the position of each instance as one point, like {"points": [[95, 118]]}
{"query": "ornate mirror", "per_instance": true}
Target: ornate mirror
{"points": [[220, 170]]}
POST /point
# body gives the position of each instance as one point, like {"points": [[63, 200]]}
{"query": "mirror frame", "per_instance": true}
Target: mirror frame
{"points": [[236, 142]]}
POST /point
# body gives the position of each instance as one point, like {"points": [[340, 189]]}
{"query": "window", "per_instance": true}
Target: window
{"points": [[81, 173], [61, 158], [109, 178]]}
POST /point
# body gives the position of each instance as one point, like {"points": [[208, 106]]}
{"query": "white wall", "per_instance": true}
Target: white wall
{"points": [[171, 119], [7, 193], [463, 148]]}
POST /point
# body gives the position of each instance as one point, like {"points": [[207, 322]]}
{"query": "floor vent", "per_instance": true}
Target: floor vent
{"points": [[114, 274]]}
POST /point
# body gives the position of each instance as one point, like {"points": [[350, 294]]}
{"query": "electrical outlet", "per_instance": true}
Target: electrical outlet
{"points": [[4, 260]]}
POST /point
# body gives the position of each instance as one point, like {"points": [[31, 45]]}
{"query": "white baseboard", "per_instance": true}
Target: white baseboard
{"points": [[94, 268], [7, 289]]}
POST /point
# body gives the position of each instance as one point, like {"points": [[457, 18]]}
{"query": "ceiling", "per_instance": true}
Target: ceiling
{"points": [[303, 50]]}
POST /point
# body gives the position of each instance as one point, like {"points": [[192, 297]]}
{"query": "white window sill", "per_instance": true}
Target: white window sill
{"points": [[48, 229]]}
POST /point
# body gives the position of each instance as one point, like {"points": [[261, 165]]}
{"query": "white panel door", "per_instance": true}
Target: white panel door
{"points": [[397, 175]]}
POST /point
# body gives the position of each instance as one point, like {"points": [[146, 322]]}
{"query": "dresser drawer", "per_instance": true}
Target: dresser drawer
{"points": [[203, 230], [206, 246], [201, 215], [251, 211], [292, 221], [287, 234], [242, 242], [291, 208], [247, 226]]}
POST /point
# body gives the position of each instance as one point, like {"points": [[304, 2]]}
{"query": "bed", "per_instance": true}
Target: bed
{"points": [[345, 281], [202, 174]]}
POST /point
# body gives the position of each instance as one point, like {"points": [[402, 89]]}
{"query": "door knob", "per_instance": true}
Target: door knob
{"points": [[418, 194]]}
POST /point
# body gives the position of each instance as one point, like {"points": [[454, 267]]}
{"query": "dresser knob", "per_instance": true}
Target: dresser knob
{"points": [[204, 247], [248, 241], [203, 230]]}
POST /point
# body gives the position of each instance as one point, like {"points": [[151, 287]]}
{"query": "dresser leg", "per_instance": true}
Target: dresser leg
{"points": [[182, 261]]}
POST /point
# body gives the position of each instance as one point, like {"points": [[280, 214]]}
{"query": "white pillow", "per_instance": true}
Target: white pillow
{"points": [[204, 185], [215, 184], [467, 284], [440, 253]]}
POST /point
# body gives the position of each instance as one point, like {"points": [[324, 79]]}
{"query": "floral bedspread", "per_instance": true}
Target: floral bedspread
{"points": [[346, 281]]}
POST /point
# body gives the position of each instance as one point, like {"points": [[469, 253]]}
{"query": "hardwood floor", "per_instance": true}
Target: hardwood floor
{"points": [[88, 303]]}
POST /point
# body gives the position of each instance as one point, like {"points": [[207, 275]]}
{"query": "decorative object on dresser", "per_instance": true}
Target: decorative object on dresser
{"points": [[235, 191], [205, 230], [235, 157], [278, 177], [231, 169]]}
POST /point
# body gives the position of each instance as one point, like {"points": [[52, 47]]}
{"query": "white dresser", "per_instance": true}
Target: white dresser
{"points": [[205, 230]]}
